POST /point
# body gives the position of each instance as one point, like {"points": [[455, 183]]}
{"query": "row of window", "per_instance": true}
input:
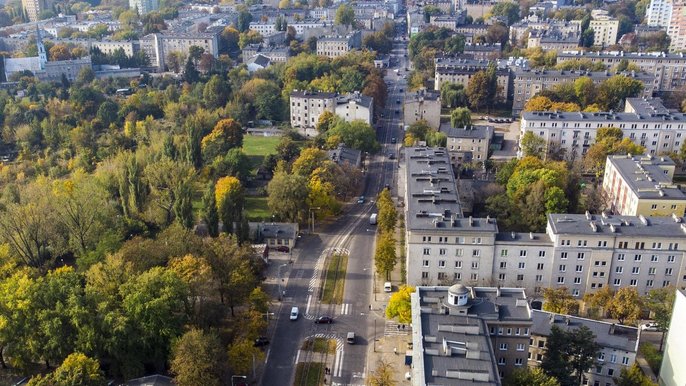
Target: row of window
{"points": [[637, 270], [517, 362], [634, 283]]}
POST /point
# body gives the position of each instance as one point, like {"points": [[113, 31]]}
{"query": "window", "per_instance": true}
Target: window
{"points": [[503, 346], [651, 271], [653, 258], [441, 263], [625, 360], [441, 276], [619, 269], [458, 264], [668, 271], [522, 253], [613, 358], [617, 282], [500, 331], [541, 253], [620, 257], [427, 251], [501, 276], [425, 263], [579, 268], [501, 361], [539, 278], [475, 265], [474, 276], [517, 330], [575, 292], [581, 243], [649, 283], [509, 331], [539, 267], [503, 265], [602, 243], [637, 257], [503, 253], [441, 251], [610, 372], [476, 240], [633, 282], [458, 252], [476, 253], [601, 356], [581, 255], [670, 258], [425, 275], [521, 265], [577, 280], [563, 268], [635, 270], [520, 277], [560, 280], [518, 361], [539, 357], [541, 343]]}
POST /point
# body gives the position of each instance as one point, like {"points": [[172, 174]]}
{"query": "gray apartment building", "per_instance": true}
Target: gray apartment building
{"points": [[460, 71], [423, 105], [467, 144], [336, 46], [468, 335]]}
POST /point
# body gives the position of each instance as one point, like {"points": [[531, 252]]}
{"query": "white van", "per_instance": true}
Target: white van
{"points": [[372, 219], [387, 287], [350, 338], [294, 313]]}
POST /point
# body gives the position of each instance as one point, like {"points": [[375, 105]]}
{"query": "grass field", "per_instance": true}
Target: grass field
{"points": [[309, 374], [257, 147], [334, 283], [256, 209], [321, 345]]}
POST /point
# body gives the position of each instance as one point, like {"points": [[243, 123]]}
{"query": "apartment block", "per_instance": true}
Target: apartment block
{"points": [[554, 27], [468, 335], [158, 46], [467, 144], [527, 83], [642, 185], [457, 70], [337, 46], [307, 106], [581, 252], [144, 6], [669, 68], [482, 51], [575, 132], [659, 13], [605, 30], [423, 105], [672, 371], [618, 344], [35, 7], [552, 41]]}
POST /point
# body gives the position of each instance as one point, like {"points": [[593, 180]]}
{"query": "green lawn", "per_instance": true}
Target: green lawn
{"points": [[309, 374], [256, 209], [321, 345], [332, 293], [257, 147]]}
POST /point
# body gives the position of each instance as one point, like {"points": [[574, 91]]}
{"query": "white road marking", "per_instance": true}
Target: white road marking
{"points": [[338, 371], [309, 299], [297, 356], [336, 361]]}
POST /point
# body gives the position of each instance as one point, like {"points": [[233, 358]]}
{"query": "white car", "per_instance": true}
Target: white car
{"points": [[294, 313], [649, 327]]}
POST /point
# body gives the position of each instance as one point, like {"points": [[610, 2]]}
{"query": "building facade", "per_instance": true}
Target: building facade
{"points": [[467, 144], [605, 30], [308, 106], [460, 71], [672, 371], [582, 253], [642, 186], [144, 6], [659, 13], [423, 105], [158, 46], [35, 7], [337, 46], [618, 344]]}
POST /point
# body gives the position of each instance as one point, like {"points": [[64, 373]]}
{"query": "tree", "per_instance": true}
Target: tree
{"points": [[583, 350], [383, 375], [210, 211], [559, 301], [197, 359], [309, 159], [385, 257], [533, 376], [453, 95], [454, 45], [288, 196], [356, 134], [230, 201], [216, 92], [243, 21], [632, 376], [345, 15], [626, 305], [569, 354], [532, 145], [461, 117], [482, 89], [399, 305], [497, 33], [507, 10], [613, 92], [660, 302], [599, 299], [76, 370], [241, 354], [166, 179], [387, 215], [227, 134], [183, 204]]}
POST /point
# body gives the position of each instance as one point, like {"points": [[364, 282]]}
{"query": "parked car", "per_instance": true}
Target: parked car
{"points": [[261, 341], [294, 313], [360, 200], [393, 140], [324, 320], [649, 327], [282, 248], [387, 287]]}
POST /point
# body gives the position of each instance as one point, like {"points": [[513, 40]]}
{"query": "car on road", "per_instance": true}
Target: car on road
{"points": [[649, 327], [391, 156], [294, 313], [360, 200], [261, 341], [350, 338], [397, 112], [324, 320], [401, 90], [393, 140], [387, 287], [397, 101], [282, 248]]}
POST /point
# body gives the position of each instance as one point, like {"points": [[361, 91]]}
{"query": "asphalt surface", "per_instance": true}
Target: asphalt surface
{"points": [[351, 234]]}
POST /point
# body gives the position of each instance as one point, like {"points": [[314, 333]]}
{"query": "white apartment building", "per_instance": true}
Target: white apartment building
{"points": [[659, 13], [672, 372], [307, 106], [580, 252], [423, 105], [144, 6], [337, 46], [605, 30], [575, 132], [157, 46], [618, 344]]}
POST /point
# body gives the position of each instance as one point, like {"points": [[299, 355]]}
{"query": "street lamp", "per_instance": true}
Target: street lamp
{"points": [[243, 377], [312, 216]]}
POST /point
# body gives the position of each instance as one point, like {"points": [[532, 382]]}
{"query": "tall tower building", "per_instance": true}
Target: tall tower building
{"points": [[42, 54], [33, 8], [144, 6], [677, 26], [659, 13]]}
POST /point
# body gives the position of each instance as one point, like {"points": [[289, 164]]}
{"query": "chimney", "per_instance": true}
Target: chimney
{"points": [[612, 329]]}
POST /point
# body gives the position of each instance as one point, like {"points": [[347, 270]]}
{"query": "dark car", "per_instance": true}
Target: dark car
{"points": [[324, 320], [393, 140], [261, 341], [391, 156], [282, 248]]}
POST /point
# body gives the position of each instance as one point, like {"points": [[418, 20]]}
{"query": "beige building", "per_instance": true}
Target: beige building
{"points": [[158, 46], [677, 26], [605, 30], [468, 335], [307, 106], [35, 7], [336, 46], [642, 185], [582, 253], [618, 344], [423, 105], [467, 144], [672, 371]]}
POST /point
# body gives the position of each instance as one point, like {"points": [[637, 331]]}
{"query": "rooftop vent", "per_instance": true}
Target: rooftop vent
{"points": [[643, 220], [676, 218]]}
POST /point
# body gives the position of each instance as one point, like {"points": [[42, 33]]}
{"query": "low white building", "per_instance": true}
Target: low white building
{"points": [[308, 106]]}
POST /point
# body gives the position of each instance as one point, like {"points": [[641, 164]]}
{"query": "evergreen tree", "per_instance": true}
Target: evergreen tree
{"points": [[210, 214], [190, 73]]}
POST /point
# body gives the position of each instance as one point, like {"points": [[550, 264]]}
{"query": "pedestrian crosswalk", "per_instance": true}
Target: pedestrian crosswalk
{"points": [[393, 328], [346, 309]]}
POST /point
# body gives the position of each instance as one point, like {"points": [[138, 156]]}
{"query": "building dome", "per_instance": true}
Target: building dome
{"points": [[458, 295]]}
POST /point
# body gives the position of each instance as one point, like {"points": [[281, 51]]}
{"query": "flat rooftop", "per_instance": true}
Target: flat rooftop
{"points": [[590, 224], [646, 177]]}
